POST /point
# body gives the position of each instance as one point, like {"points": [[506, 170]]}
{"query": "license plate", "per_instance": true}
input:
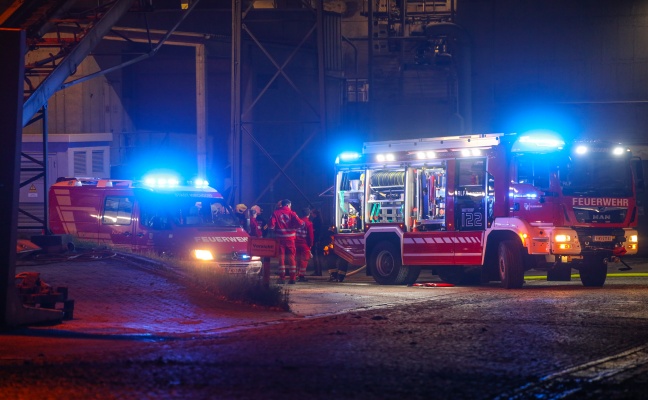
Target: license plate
{"points": [[234, 270], [600, 238]]}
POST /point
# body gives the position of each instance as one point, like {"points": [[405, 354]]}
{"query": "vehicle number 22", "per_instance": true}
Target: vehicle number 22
{"points": [[472, 219]]}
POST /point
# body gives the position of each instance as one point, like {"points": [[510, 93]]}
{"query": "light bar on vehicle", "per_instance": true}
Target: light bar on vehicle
{"points": [[200, 183], [538, 141], [347, 156], [161, 181]]}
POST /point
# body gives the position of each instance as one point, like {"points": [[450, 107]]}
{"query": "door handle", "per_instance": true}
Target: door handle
{"points": [[140, 234], [127, 234]]}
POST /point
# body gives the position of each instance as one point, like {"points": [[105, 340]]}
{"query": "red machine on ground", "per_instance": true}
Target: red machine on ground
{"points": [[485, 208], [158, 216]]}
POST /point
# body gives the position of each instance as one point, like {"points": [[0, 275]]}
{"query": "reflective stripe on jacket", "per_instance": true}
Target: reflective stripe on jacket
{"points": [[285, 222]]}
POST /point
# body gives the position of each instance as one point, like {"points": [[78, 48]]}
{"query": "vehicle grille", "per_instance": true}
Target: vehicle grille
{"points": [[605, 215]]}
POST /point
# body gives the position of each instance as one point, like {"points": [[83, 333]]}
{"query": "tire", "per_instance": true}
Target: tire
{"points": [[593, 271], [511, 268], [412, 275], [386, 265]]}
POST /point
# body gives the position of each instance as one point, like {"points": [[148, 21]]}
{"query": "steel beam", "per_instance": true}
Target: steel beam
{"points": [[69, 64]]}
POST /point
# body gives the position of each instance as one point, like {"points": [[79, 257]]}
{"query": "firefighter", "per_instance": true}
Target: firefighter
{"points": [[303, 242], [319, 242], [339, 272], [256, 229], [284, 222], [240, 214]]}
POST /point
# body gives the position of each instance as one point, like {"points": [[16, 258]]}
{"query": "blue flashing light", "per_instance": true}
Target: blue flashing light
{"points": [[200, 183], [161, 181], [538, 141], [347, 156]]}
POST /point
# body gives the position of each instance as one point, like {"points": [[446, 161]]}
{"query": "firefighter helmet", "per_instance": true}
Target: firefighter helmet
{"points": [[240, 208]]}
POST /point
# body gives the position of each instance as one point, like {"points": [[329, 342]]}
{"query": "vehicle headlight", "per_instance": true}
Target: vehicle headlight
{"points": [[256, 258], [562, 238], [204, 255], [633, 239]]}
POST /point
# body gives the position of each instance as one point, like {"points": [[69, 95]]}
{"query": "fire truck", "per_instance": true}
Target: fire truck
{"points": [[486, 207], [157, 216]]}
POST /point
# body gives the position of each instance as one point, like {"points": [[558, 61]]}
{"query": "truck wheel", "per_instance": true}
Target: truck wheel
{"points": [[511, 270], [412, 275], [593, 271], [386, 265]]}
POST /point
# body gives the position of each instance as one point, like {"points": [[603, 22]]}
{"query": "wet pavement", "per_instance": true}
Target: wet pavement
{"points": [[130, 295], [143, 331]]}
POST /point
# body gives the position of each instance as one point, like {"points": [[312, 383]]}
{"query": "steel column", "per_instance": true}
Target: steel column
{"points": [[12, 69]]}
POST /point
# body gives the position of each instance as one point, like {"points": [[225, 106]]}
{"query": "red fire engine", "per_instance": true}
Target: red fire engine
{"points": [[487, 207], [155, 216]]}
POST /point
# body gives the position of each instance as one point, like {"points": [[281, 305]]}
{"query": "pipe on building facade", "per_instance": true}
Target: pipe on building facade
{"points": [[463, 66]]}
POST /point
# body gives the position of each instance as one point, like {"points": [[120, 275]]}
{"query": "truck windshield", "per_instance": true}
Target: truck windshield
{"points": [[597, 176], [159, 212], [192, 212]]}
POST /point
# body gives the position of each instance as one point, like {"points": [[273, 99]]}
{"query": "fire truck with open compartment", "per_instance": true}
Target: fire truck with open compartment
{"points": [[487, 207], [155, 215]]}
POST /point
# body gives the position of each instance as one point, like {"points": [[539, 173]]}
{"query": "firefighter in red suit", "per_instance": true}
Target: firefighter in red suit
{"points": [[284, 222], [255, 229], [303, 243]]}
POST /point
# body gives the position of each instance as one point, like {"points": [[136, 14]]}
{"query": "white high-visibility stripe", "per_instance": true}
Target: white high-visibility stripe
{"points": [[429, 240], [455, 240], [67, 216], [447, 240], [428, 254], [419, 240], [462, 240], [467, 254], [438, 240], [408, 240], [89, 210]]}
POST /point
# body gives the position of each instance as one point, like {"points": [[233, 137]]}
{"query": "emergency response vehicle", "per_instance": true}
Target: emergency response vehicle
{"points": [[156, 215], [487, 207]]}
